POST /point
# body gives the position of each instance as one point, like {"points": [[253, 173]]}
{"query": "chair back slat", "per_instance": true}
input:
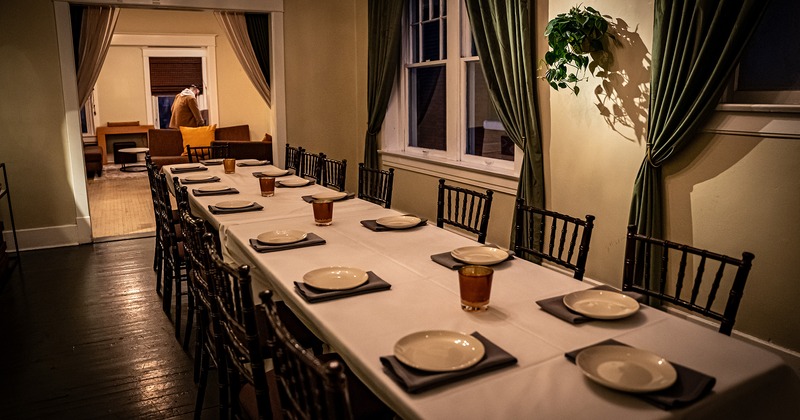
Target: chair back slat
{"points": [[334, 173], [237, 320], [541, 234], [308, 388], [375, 185], [311, 166], [640, 259], [199, 153], [292, 158], [464, 209]]}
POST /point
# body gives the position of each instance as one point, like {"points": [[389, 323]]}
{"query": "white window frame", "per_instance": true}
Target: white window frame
{"points": [[453, 163]]}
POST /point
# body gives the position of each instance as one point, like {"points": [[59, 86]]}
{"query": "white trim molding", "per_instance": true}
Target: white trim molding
{"points": [[771, 121]]}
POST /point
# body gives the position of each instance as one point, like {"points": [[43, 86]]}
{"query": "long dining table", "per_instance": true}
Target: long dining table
{"points": [[750, 382]]}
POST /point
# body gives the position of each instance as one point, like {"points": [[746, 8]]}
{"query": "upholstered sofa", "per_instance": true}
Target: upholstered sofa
{"points": [[166, 145]]}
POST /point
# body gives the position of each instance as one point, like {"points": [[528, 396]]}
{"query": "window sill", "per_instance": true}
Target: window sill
{"points": [[759, 120], [499, 180]]}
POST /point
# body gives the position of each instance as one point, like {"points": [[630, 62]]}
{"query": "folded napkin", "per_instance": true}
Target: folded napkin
{"points": [[217, 210], [310, 240], [211, 162], [690, 386], [310, 199], [200, 181], [199, 193], [446, 259], [252, 163], [314, 295], [415, 380], [179, 170], [555, 306], [375, 227]]}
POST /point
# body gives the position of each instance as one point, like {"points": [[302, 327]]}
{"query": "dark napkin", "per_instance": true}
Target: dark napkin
{"points": [[253, 163], [446, 259], [211, 162], [200, 181], [690, 386], [217, 210], [415, 380], [555, 306], [310, 199], [310, 240], [180, 170], [313, 295], [374, 226], [198, 193]]}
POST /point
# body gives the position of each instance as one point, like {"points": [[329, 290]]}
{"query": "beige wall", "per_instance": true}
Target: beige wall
{"points": [[326, 79], [120, 86], [32, 118]]}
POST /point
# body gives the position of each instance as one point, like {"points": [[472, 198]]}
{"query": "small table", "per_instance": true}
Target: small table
{"points": [[134, 167]]}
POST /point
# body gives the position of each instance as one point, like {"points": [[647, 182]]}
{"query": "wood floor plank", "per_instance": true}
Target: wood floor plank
{"points": [[85, 337]]}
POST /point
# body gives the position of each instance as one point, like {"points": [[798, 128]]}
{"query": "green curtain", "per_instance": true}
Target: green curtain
{"points": [[383, 59], [502, 31], [696, 45]]}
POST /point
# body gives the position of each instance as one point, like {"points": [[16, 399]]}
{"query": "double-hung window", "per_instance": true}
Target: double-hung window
{"points": [[445, 113]]}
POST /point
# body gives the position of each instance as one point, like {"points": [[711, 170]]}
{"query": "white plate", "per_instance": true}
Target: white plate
{"points": [[234, 204], [280, 237], [399, 222], [480, 255], [252, 162], [333, 195], [626, 368], [601, 304], [211, 161], [274, 172], [439, 351], [195, 178], [187, 166], [213, 188], [296, 182], [336, 278]]}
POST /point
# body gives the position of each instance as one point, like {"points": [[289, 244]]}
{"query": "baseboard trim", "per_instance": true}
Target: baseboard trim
{"points": [[43, 238]]}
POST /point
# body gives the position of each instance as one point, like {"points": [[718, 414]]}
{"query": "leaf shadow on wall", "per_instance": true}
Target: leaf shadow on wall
{"points": [[623, 96]]}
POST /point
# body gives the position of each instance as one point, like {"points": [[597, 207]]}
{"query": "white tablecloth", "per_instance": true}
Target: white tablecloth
{"points": [[751, 382]]}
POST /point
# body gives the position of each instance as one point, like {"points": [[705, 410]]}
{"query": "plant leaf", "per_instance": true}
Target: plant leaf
{"points": [[576, 89]]}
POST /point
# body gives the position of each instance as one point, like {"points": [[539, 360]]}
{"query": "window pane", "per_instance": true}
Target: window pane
{"points": [[427, 108], [767, 64], [413, 12], [430, 41], [415, 43], [426, 10], [435, 9], [164, 110], [486, 136]]}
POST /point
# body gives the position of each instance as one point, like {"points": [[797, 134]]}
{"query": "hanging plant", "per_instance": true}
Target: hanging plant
{"points": [[572, 38]]}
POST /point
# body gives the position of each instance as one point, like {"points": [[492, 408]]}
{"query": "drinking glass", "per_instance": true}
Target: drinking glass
{"points": [[230, 165], [323, 212], [475, 282], [267, 184]]}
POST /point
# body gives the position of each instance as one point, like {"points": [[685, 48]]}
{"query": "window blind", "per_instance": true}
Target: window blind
{"points": [[170, 75]]}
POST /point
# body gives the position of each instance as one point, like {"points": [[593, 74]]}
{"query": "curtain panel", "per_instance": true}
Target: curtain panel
{"points": [[235, 26], [383, 59], [502, 30], [696, 46], [96, 29]]}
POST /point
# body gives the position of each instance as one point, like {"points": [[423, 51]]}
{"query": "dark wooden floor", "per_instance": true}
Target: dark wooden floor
{"points": [[83, 336]]}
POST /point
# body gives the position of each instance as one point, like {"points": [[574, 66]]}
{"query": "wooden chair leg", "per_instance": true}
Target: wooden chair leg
{"points": [[203, 382], [178, 298], [167, 287], [190, 315]]}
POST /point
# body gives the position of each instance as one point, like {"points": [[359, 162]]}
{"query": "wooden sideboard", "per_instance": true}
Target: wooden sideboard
{"points": [[102, 132]]}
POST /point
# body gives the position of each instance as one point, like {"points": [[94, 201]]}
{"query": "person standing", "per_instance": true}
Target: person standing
{"points": [[185, 112]]}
